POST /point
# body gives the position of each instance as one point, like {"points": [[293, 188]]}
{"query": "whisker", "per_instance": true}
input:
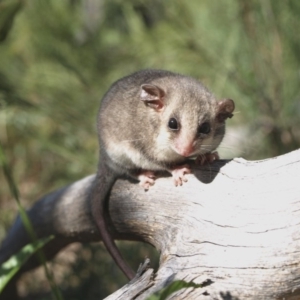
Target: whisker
{"points": [[133, 140]]}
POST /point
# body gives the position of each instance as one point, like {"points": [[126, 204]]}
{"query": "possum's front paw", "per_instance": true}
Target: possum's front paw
{"points": [[207, 158], [147, 179], [178, 174]]}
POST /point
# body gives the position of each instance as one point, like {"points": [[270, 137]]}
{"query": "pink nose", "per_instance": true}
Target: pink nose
{"points": [[184, 150]]}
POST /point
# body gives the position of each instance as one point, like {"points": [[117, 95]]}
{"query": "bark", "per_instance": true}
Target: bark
{"points": [[233, 227]]}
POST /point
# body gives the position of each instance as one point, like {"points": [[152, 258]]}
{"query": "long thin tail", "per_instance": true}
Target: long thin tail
{"points": [[103, 183]]}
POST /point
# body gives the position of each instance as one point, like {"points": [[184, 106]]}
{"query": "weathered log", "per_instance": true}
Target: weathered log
{"points": [[233, 227]]}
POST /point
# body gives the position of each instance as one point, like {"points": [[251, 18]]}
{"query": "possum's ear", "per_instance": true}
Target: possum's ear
{"points": [[152, 96], [225, 109]]}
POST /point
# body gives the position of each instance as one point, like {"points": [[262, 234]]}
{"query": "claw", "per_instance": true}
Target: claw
{"points": [[207, 158], [147, 179], [178, 174]]}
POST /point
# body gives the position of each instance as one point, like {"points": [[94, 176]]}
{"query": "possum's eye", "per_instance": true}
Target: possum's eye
{"points": [[173, 124], [204, 128]]}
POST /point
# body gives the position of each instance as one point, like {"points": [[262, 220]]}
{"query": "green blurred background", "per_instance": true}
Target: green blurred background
{"points": [[57, 59]]}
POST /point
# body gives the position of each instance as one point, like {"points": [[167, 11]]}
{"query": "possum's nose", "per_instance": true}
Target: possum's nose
{"points": [[184, 148]]}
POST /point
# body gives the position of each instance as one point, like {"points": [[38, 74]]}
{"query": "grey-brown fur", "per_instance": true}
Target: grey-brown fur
{"points": [[135, 135]]}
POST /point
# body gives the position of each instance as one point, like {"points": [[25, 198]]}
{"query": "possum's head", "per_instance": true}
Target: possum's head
{"points": [[191, 121]]}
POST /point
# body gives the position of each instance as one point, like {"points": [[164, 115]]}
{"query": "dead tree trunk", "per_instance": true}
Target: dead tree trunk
{"points": [[234, 227]]}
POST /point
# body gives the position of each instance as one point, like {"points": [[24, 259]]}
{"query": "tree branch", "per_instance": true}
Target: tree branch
{"points": [[233, 227]]}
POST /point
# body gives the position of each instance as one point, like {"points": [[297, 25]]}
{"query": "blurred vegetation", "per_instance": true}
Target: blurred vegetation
{"points": [[57, 59]]}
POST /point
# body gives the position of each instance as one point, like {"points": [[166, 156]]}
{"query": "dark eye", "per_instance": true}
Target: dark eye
{"points": [[204, 128], [173, 124]]}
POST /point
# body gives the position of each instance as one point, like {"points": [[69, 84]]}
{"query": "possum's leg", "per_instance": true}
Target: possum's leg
{"points": [[207, 158], [146, 178], [178, 174]]}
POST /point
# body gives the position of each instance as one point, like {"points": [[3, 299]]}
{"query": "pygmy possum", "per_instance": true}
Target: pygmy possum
{"points": [[150, 121]]}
